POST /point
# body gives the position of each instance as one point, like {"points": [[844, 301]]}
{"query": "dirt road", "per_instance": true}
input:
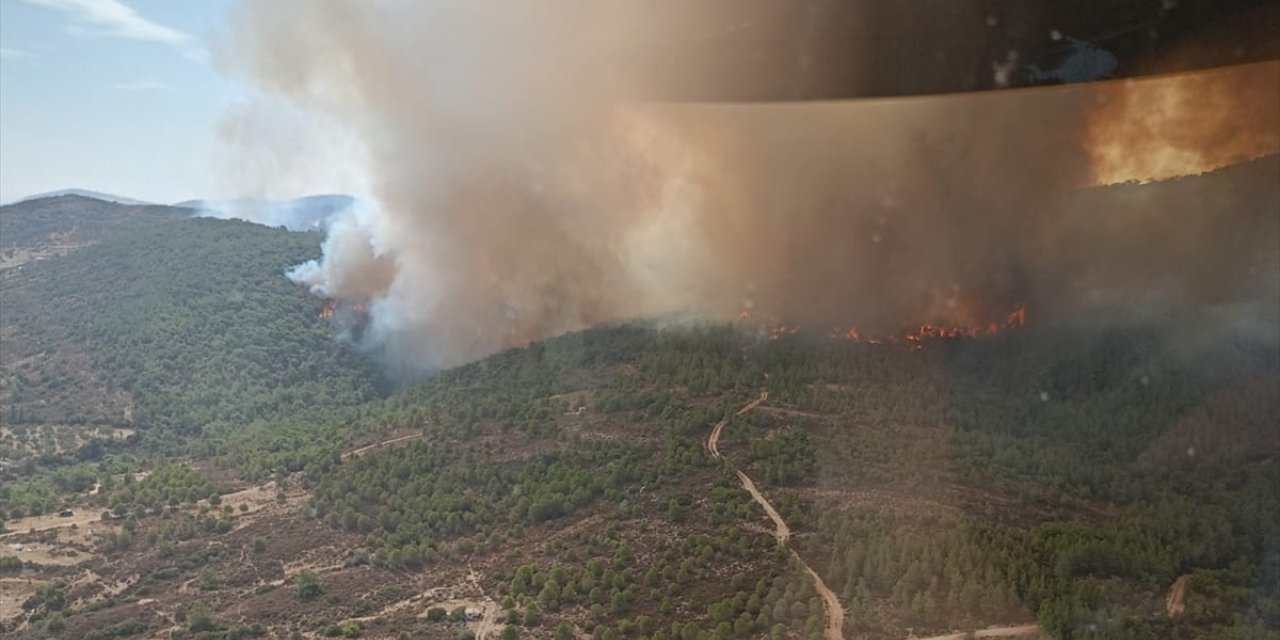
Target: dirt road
{"points": [[993, 632], [487, 625], [85, 516], [378, 445], [782, 533], [830, 603], [1173, 602], [713, 441]]}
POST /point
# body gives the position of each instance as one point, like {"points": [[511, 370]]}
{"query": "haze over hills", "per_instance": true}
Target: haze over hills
{"points": [[86, 193], [1058, 476], [306, 213]]}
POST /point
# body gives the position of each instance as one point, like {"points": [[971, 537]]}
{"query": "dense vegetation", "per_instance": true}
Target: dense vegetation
{"points": [[1078, 420], [193, 318], [193, 321], [1160, 458], [425, 492], [74, 220], [1177, 438]]}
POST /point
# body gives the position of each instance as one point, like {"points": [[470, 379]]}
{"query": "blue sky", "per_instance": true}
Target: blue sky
{"points": [[111, 95]]}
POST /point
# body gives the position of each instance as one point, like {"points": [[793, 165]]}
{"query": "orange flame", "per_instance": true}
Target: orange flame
{"points": [[779, 330], [1016, 319], [353, 315], [918, 335]]}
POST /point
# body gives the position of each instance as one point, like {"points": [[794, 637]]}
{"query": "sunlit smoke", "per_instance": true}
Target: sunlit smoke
{"points": [[1186, 124]]}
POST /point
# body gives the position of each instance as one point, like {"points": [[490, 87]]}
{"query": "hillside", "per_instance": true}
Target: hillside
{"points": [[225, 469], [571, 482], [44, 227], [166, 334]]}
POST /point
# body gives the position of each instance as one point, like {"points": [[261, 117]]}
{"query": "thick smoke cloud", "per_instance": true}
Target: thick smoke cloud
{"points": [[524, 186]]}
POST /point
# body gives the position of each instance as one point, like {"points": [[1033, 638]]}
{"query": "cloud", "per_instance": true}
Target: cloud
{"points": [[140, 84], [15, 54], [112, 19]]}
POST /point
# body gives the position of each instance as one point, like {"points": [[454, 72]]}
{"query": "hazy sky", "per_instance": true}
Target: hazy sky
{"points": [[115, 96]]}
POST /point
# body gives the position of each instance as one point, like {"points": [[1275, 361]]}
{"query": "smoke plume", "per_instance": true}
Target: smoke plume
{"points": [[524, 185]]}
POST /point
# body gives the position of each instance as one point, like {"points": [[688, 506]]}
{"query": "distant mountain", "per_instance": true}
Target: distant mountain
{"points": [[84, 193], [308, 213]]}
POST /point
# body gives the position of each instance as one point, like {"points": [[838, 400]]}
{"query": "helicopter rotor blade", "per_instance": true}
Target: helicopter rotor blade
{"points": [[1107, 35], [1123, 30]]}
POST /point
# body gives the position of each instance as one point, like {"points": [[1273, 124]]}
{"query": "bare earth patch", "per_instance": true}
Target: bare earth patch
{"points": [[15, 591]]}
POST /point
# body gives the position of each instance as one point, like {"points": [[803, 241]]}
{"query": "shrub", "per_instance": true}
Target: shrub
{"points": [[10, 564], [199, 618], [125, 628], [54, 622], [309, 587], [210, 580]]}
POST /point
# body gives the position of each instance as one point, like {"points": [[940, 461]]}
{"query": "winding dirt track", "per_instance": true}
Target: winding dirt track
{"points": [[488, 623], [782, 533]]}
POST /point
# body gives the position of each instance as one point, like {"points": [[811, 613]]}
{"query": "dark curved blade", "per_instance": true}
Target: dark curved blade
{"points": [[765, 50]]}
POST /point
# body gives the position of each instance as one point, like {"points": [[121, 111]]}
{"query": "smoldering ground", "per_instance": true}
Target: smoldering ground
{"points": [[524, 185]]}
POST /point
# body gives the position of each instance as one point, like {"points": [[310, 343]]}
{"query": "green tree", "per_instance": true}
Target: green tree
{"points": [[564, 631]]}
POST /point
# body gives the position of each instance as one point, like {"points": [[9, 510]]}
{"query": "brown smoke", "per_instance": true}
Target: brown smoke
{"points": [[524, 188]]}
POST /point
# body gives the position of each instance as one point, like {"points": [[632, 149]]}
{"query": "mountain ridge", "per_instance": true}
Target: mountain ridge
{"points": [[83, 193]]}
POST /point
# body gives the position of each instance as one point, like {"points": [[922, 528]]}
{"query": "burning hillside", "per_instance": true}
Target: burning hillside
{"points": [[347, 319], [914, 336]]}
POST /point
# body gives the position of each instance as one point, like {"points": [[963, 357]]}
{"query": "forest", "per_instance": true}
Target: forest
{"points": [[1087, 424], [192, 319]]}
